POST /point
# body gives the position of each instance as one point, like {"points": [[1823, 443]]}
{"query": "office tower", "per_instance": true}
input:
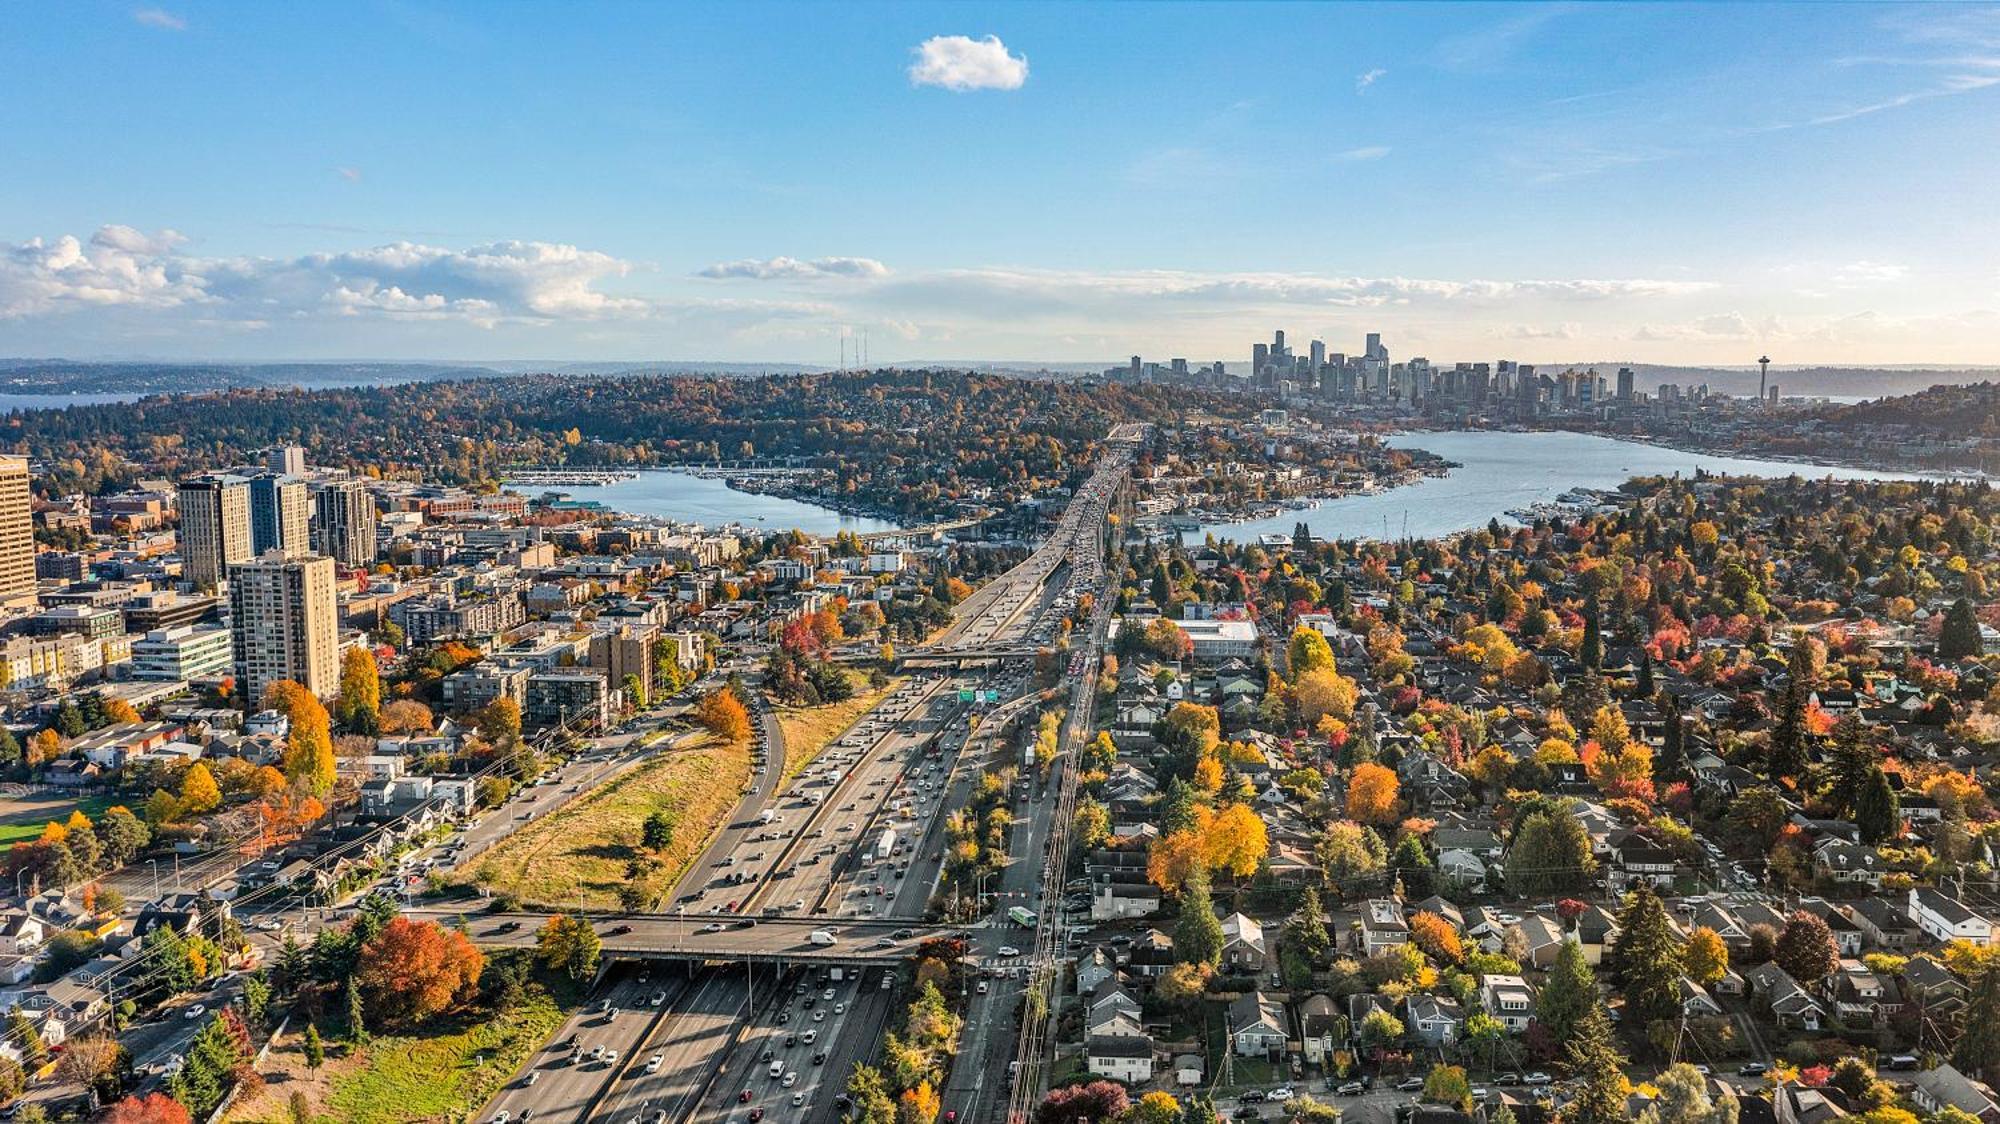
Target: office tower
{"points": [[215, 526], [1180, 368], [285, 623], [343, 522], [1260, 357], [1625, 379], [17, 536], [280, 514], [286, 460], [1278, 342], [1375, 348], [1318, 354]]}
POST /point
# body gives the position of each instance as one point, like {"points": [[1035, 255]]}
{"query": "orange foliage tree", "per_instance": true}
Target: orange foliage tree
{"points": [[416, 970], [1372, 794]]}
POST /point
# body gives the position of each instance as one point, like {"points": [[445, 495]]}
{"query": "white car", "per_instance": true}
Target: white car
{"points": [[654, 1063], [1281, 1093], [1009, 950], [790, 1080], [194, 1012]]}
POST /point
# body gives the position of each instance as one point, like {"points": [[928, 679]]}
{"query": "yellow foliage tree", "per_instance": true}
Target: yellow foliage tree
{"points": [[1373, 794], [1237, 841], [199, 792], [1324, 692]]}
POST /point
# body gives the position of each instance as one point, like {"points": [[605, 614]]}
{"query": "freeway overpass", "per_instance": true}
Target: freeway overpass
{"points": [[706, 937]]}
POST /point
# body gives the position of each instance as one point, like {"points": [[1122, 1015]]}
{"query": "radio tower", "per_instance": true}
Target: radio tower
{"points": [[1763, 378]]}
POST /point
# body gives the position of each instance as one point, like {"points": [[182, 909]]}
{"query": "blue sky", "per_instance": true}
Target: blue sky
{"points": [[1062, 182]]}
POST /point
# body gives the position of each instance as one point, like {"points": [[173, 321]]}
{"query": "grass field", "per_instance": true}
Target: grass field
{"points": [[810, 729], [441, 1076], [24, 819], [580, 852]]}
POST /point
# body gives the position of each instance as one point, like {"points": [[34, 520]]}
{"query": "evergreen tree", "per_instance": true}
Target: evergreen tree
{"points": [[1787, 756], [1959, 637], [10, 749], [1649, 958], [1851, 760], [1198, 932], [357, 1021], [315, 1049], [1877, 811], [1550, 853], [1413, 866], [1597, 1064], [1591, 653], [1978, 1053], [1569, 993], [70, 722], [1643, 683], [1306, 929]]}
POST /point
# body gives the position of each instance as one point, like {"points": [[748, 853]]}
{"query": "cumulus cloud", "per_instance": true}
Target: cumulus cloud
{"points": [[961, 63], [1368, 78], [159, 18], [483, 285], [794, 269]]}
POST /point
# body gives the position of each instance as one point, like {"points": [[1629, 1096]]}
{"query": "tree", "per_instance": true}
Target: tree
{"points": [[407, 716], [1757, 816], [1096, 1103], [1684, 1099], [1594, 1059], [1197, 932], [1550, 854], [1380, 1029], [569, 945], [415, 970], [199, 792], [1373, 795], [919, 1105], [1806, 949], [1569, 993], [1323, 693], [872, 1104], [25, 1037], [1350, 857], [44, 746], [1706, 957], [1787, 752], [1979, 1053], [1237, 841], [1649, 957], [360, 703], [153, 1108], [1412, 864], [499, 721], [315, 1050], [1447, 1084], [657, 833], [1306, 931], [12, 1079], [1156, 1107], [1307, 651], [721, 713], [1878, 812], [1959, 636], [308, 758], [1184, 984], [121, 835]]}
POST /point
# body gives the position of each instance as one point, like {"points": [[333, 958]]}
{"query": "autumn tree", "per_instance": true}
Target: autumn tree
{"points": [[1706, 957], [407, 716], [199, 792], [415, 970], [1373, 795], [919, 1105], [1321, 693], [308, 758], [360, 703], [569, 945], [721, 713], [499, 721], [1237, 841], [1307, 651], [153, 1108], [1806, 949]]}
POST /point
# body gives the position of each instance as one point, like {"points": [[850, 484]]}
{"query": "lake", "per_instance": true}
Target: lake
{"points": [[698, 499], [15, 403], [1505, 471]]}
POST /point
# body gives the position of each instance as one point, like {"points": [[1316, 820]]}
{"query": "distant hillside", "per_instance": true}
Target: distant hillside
{"points": [[1940, 411], [69, 376], [1843, 382]]}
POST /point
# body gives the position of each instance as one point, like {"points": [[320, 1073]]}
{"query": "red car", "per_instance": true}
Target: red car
{"points": [[743, 1097], [756, 1114]]}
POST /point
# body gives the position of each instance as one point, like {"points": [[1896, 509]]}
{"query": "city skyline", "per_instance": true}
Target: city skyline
{"points": [[1551, 184]]}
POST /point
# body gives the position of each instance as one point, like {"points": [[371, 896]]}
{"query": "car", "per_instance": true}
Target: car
{"points": [[982, 987], [1536, 1078], [1253, 1096], [1350, 1089], [840, 1008], [790, 1079], [502, 1117], [791, 1040], [743, 1097], [1753, 1069], [596, 1053], [610, 1057], [827, 994], [659, 999], [808, 1004], [819, 1016], [534, 1075], [798, 1099], [1508, 1079], [784, 1017], [654, 1063], [507, 926], [1009, 950], [1480, 1092], [712, 927], [1281, 1093], [819, 1057], [194, 1012], [1409, 1084], [1247, 1113]]}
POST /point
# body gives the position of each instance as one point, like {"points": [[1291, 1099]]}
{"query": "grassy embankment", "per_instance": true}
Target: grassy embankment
{"points": [[444, 1074], [580, 852], [810, 729]]}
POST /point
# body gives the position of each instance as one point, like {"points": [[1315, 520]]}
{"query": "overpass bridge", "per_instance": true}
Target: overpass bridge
{"points": [[762, 939]]}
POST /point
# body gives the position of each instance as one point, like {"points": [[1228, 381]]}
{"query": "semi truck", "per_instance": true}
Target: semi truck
{"points": [[886, 845]]}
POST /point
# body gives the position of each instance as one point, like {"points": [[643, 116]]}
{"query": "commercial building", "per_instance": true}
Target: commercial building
{"points": [[185, 653], [286, 460], [624, 650], [17, 536], [573, 696], [482, 684], [280, 514], [286, 625], [215, 527]]}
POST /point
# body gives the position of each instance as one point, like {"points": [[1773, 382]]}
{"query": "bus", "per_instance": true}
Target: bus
{"points": [[1020, 915]]}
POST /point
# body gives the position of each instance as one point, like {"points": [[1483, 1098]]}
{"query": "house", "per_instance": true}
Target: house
{"points": [[1435, 1019], [1509, 999], [1884, 926], [1933, 1089], [1696, 1002], [1257, 1026], [1382, 926], [1105, 1011], [1094, 970], [1188, 1070], [1791, 1005], [1796, 1104], [1322, 1030], [1242, 944], [1544, 939], [1839, 860], [1638, 862], [20, 933], [1129, 1060], [1946, 918], [1462, 869], [1152, 954]]}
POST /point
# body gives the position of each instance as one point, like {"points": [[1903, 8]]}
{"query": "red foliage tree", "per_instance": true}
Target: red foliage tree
{"points": [[416, 970], [153, 1108]]}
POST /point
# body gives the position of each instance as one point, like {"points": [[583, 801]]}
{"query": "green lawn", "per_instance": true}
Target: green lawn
{"points": [[24, 819]]}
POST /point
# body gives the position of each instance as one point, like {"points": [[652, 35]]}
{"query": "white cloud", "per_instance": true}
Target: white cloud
{"points": [[1366, 152], [350, 174], [158, 18], [483, 285], [1368, 78], [1858, 273], [960, 63], [781, 268]]}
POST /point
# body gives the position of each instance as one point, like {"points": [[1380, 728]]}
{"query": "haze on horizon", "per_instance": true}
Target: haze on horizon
{"points": [[1668, 184]]}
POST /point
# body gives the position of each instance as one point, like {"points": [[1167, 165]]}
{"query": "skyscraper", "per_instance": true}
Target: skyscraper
{"points": [[286, 460], [280, 514], [17, 536], [1625, 379], [285, 624], [215, 526], [1375, 348], [343, 522]]}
